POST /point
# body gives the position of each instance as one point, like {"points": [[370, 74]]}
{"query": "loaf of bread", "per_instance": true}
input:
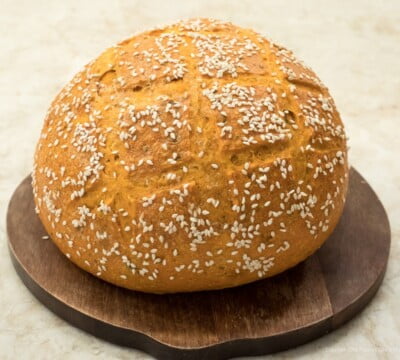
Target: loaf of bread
{"points": [[191, 157]]}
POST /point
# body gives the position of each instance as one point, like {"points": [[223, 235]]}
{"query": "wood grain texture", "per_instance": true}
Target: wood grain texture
{"points": [[270, 315]]}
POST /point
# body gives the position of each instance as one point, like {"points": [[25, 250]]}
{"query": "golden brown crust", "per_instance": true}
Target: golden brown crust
{"points": [[197, 156]]}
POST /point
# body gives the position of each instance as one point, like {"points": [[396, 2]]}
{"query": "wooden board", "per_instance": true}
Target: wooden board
{"points": [[270, 315]]}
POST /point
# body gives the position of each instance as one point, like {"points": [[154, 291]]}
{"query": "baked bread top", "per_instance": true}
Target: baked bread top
{"points": [[191, 157]]}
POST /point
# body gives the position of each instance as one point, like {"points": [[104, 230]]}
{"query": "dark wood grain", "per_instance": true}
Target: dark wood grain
{"points": [[270, 315]]}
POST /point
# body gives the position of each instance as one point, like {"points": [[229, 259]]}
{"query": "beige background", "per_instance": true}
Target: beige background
{"points": [[354, 46]]}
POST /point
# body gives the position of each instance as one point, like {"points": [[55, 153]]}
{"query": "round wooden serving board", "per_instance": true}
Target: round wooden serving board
{"points": [[292, 308]]}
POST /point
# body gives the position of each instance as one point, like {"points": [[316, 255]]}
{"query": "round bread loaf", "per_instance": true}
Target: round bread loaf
{"points": [[191, 157]]}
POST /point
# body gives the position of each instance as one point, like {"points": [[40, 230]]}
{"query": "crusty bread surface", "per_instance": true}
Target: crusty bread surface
{"points": [[196, 156]]}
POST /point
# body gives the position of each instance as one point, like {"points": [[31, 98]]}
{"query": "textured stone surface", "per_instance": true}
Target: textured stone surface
{"points": [[352, 46]]}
